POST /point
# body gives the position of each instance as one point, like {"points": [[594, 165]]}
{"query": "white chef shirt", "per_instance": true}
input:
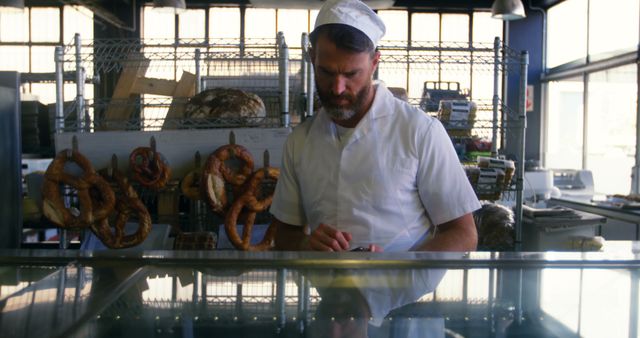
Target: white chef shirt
{"points": [[397, 175]]}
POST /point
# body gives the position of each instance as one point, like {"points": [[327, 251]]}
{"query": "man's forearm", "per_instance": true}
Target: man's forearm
{"points": [[457, 235]]}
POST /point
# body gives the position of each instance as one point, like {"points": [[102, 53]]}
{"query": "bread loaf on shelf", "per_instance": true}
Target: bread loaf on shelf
{"points": [[225, 103]]}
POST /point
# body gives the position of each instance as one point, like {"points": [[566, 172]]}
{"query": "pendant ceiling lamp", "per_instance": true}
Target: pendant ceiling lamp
{"points": [[177, 6], [12, 4], [508, 10]]}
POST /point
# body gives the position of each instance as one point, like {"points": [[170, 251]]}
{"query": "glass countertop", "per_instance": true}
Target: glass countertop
{"points": [[286, 294]]}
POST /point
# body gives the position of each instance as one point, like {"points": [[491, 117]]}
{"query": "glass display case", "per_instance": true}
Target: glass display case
{"points": [[286, 294]]}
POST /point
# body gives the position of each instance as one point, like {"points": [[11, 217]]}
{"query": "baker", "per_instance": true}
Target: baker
{"points": [[368, 170]]}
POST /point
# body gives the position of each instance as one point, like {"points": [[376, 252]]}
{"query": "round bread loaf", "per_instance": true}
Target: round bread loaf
{"points": [[224, 103]]}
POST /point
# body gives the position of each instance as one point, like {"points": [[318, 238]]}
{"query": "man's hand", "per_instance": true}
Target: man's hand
{"points": [[324, 238], [328, 238]]}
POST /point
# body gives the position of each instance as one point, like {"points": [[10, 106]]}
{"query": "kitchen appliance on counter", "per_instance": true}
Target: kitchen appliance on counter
{"points": [[574, 182], [538, 185]]}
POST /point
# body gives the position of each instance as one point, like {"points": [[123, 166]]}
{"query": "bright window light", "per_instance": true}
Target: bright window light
{"points": [[192, 24], [14, 25], [611, 131], [77, 20], [485, 28], [455, 28], [224, 23], [293, 22], [158, 23], [45, 25], [396, 24], [564, 125], [425, 27], [567, 32], [604, 36], [260, 23]]}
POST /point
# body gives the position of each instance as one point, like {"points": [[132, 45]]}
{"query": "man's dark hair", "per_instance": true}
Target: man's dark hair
{"points": [[345, 37]]}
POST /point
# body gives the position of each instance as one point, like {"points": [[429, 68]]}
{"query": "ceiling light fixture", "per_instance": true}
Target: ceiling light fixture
{"points": [[508, 10], [176, 6]]}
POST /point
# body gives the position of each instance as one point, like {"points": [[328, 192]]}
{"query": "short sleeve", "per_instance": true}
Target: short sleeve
{"points": [[443, 186], [287, 200]]}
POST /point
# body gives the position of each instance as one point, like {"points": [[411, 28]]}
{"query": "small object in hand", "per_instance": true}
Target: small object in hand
{"points": [[360, 249]]}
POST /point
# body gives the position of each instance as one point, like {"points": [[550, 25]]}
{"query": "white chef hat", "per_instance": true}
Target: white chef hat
{"points": [[353, 13]]}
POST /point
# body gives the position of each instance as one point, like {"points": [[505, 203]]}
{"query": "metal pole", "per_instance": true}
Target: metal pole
{"points": [[79, 84], [59, 117], [77, 297], [198, 76], [279, 41], [83, 120], [310, 89], [284, 84], [280, 301], [635, 181], [304, 64], [585, 120], [491, 299], [302, 301], [496, 98], [504, 111], [304, 44], [522, 123], [519, 307], [633, 306], [196, 286]]}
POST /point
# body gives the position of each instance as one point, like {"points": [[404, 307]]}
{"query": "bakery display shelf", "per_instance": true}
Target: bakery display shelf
{"points": [[266, 66]]}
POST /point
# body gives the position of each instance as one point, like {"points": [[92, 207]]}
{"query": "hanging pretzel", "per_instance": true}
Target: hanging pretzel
{"points": [[235, 151], [149, 168], [190, 185], [244, 243], [127, 204], [255, 186], [53, 205], [249, 202]]}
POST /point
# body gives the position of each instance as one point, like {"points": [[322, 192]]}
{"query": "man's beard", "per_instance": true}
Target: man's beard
{"points": [[341, 113]]}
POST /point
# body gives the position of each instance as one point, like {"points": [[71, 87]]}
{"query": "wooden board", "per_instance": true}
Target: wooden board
{"points": [[147, 85], [119, 108], [185, 89]]}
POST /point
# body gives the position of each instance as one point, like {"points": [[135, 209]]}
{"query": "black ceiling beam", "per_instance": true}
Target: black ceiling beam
{"points": [[417, 4]]}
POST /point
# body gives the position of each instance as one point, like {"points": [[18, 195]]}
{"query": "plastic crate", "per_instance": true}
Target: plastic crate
{"points": [[434, 91]]}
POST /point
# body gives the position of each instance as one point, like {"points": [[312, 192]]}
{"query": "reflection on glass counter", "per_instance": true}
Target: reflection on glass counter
{"points": [[554, 296], [16, 278]]}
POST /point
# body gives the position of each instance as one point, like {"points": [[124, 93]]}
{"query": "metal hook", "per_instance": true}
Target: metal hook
{"points": [[198, 159], [113, 166], [232, 138], [152, 144], [74, 143], [265, 160], [74, 147]]}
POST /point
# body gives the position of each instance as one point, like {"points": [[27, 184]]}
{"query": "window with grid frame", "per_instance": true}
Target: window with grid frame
{"points": [[438, 30], [602, 132], [27, 43]]}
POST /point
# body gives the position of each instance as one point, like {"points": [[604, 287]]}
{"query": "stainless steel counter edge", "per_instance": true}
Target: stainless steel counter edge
{"points": [[319, 260]]}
